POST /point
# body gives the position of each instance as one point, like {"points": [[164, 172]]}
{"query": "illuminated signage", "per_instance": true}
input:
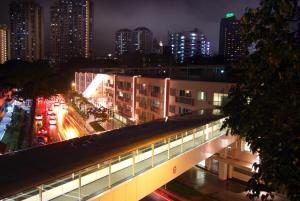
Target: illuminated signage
{"points": [[228, 15]]}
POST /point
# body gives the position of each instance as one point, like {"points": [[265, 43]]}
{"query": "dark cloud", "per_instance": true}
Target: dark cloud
{"points": [[160, 16]]}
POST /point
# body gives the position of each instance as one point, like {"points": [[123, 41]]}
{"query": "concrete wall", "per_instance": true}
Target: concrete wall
{"points": [[147, 182]]}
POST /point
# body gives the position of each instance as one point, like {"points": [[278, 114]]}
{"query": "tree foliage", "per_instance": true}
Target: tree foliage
{"points": [[264, 108], [32, 79]]}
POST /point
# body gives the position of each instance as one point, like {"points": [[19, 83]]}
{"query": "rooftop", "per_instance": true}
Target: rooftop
{"points": [[212, 73]]}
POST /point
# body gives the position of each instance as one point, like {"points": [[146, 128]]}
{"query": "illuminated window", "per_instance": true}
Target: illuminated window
{"points": [[172, 108], [219, 98], [246, 147], [186, 93], [201, 96]]}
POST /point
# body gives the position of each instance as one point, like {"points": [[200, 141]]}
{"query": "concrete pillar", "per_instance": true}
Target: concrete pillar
{"points": [[223, 169], [223, 166], [208, 163], [230, 170]]}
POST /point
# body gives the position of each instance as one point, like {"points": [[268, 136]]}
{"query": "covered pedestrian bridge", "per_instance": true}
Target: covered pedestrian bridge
{"points": [[124, 164]]}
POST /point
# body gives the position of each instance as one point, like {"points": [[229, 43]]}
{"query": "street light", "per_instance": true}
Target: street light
{"points": [[73, 85]]}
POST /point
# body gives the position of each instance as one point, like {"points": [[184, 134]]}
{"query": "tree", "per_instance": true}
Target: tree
{"points": [[32, 79], [264, 108]]}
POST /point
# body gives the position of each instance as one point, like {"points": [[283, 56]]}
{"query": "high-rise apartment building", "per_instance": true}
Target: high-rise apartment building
{"points": [[27, 30], [123, 39], [71, 29], [185, 45], [142, 40], [230, 44], [4, 44]]}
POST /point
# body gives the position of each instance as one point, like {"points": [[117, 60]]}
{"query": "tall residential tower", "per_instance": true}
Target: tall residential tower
{"points": [[123, 38], [71, 29], [186, 45], [27, 30], [230, 44], [4, 44], [142, 40]]}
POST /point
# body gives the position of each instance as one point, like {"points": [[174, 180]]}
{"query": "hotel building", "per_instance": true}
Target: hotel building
{"points": [[142, 99], [231, 46]]}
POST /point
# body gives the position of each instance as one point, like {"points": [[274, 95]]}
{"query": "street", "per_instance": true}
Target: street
{"points": [[55, 122]]}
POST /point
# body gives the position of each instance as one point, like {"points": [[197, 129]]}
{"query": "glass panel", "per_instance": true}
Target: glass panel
{"points": [[175, 145], [28, 195], [62, 189], [94, 180], [188, 142], [143, 159], [160, 152], [121, 168]]}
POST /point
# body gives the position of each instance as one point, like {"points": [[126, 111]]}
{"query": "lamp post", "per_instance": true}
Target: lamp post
{"points": [[73, 85]]}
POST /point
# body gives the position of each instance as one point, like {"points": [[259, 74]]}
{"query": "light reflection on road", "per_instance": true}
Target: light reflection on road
{"points": [[67, 127]]}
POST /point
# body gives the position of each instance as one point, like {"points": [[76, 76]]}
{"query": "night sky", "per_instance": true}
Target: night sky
{"points": [[160, 16]]}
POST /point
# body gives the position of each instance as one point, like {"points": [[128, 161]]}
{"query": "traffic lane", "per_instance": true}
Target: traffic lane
{"points": [[54, 134], [75, 124], [80, 121], [67, 130]]}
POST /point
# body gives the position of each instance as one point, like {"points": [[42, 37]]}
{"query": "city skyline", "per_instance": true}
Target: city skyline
{"points": [[159, 17]]}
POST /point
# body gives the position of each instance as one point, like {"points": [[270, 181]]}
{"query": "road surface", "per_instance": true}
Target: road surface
{"points": [[64, 124]]}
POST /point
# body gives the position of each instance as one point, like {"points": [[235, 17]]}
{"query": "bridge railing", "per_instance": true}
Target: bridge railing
{"points": [[96, 179]]}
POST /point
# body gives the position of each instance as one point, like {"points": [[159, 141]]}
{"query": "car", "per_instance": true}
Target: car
{"points": [[38, 117], [42, 131], [52, 116], [50, 111], [42, 140], [52, 121]]}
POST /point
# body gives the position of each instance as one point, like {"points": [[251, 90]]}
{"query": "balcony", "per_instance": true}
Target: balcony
{"points": [[143, 105], [154, 109], [127, 100], [185, 100], [127, 89], [120, 98], [142, 91], [121, 87], [155, 94]]}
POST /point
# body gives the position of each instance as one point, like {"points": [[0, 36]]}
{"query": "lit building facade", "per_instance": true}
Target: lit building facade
{"points": [[123, 38], [142, 99], [230, 44], [27, 30], [185, 45], [71, 29], [142, 40], [4, 44]]}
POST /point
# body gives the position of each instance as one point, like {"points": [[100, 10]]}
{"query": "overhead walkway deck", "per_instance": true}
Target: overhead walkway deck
{"points": [[135, 159]]}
